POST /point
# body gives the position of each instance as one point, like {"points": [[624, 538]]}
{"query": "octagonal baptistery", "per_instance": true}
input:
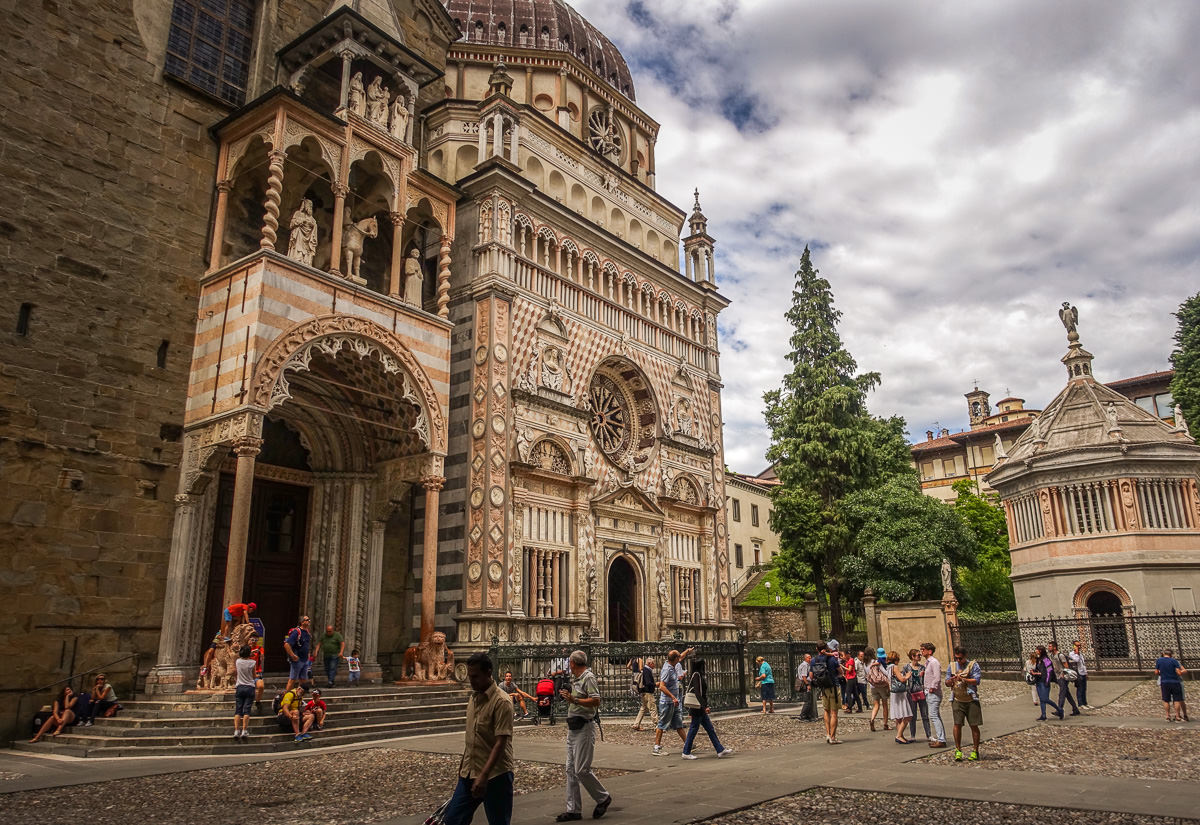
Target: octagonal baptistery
{"points": [[1102, 504]]}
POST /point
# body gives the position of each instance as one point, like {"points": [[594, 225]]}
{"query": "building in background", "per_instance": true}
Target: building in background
{"points": [[747, 510], [1102, 503], [944, 457]]}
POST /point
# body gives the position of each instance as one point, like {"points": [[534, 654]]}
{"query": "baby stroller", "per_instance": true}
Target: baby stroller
{"points": [[545, 700]]}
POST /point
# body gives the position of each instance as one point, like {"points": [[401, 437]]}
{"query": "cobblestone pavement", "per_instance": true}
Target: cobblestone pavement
{"points": [[825, 806], [1136, 753], [347, 787], [1142, 701]]}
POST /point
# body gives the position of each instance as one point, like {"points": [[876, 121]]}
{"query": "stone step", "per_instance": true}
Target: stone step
{"points": [[341, 691], [107, 747], [129, 726], [223, 705]]}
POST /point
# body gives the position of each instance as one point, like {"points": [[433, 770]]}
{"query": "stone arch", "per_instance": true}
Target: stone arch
{"points": [[1091, 588], [632, 599], [686, 489], [552, 454], [293, 350], [620, 383], [465, 160]]}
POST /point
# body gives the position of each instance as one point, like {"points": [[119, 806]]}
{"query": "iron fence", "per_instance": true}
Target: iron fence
{"points": [[1110, 644], [853, 632], [729, 667]]}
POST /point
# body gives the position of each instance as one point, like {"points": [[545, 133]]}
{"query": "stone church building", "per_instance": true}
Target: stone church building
{"points": [[366, 310]]}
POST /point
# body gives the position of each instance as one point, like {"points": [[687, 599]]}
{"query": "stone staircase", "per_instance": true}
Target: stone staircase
{"points": [[749, 581], [202, 724]]}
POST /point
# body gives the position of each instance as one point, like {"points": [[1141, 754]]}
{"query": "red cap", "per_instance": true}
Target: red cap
{"points": [[252, 606]]}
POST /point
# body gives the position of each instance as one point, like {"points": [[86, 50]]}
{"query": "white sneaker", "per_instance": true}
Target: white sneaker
{"points": [[657, 750], [724, 753], [689, 756]]}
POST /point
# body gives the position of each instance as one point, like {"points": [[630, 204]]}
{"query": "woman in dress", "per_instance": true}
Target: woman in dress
{"points": [[899, 706], [698, 685], [916, 689], [62, 713]]}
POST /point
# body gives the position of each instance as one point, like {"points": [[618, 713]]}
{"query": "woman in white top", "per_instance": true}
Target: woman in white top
{"points": [[103, 697], [243, 692], [898, 704]]}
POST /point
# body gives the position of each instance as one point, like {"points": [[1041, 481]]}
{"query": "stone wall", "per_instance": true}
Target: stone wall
{"points": [[772, 622]]}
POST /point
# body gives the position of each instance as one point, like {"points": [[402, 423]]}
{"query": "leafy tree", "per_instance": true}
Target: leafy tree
{"points": [[824, 443], [901, 537], [985, 583], [1185, 386]]}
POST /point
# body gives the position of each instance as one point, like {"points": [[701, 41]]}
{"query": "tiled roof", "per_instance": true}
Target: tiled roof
{"points": [[961, 438], [1148, 378]]}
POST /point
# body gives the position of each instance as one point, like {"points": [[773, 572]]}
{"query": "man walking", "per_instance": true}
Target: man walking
{"points": [[827, 677], [1061, 663], [297, 647], [583, 701], [333, 649], [485, 775], [933, 695], [646, 693], [804, 685], [1080, 667], [963, 682], [1170, 680], [670, 715]]}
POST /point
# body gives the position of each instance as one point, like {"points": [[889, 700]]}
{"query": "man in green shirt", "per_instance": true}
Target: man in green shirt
{"points": [[333, 647]]}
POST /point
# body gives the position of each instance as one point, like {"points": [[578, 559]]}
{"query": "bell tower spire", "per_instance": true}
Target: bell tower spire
{"points": [[698, 247]]}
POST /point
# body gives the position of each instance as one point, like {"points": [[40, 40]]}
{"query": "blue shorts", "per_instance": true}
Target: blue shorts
{"points": [[226, 615], [669, 716], [298, 669], [243, 700], [1172, 691]]}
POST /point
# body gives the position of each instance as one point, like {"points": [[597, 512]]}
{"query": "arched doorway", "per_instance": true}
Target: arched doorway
{"points": [[1108, 625], [622, 601]]}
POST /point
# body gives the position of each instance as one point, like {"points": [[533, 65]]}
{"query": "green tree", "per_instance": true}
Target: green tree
{"points": [[984, 582], [901, 537], [1185, 386], [824, 443]]}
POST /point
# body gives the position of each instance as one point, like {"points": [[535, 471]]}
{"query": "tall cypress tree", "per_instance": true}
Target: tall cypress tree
{"points": [[824, 444], [1185, 386]]}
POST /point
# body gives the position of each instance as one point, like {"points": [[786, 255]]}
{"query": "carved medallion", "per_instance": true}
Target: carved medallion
{"points": [[474, 571]]}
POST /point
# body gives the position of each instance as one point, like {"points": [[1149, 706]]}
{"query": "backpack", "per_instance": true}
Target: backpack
{"points": [[277, 703], [821, 675], [876, 674]]}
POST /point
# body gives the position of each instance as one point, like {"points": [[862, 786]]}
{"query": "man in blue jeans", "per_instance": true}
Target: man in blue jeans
{"points": [[485, 776], [933, 695], [297, 646]]}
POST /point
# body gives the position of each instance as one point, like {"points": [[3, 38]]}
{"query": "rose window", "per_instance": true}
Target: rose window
{"points": [[603, 134], [624, 421]]}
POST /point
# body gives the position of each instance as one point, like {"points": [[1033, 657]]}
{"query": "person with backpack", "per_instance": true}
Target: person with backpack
{"points": [[287, 712], [697, 689], [297, 646], [877, 679], [898, 701], [1061, 667], [646, 691], [963, 681], [827, 678]]}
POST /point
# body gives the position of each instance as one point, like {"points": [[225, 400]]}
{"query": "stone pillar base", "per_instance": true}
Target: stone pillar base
{"points": [[171, 679], [371, 673]]}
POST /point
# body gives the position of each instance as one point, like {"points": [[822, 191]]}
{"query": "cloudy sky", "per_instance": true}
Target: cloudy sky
{"points": [[958, 169]]}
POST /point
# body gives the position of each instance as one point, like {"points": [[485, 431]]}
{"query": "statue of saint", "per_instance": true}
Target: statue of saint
{"points": [[552, 371], [683, 417], [947, 586], [999, 448], [399, 124], [1180, 424], [302, 243], [377, 102], [663, 602], [1110, 413], [413, 277], [357, 99]]}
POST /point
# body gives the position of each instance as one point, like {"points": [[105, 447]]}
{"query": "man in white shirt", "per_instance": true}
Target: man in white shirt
{"points": [[804, 684], [933, 695]]}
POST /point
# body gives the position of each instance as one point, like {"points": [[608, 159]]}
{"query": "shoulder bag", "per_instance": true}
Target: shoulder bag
{"points": [[690, 700]]}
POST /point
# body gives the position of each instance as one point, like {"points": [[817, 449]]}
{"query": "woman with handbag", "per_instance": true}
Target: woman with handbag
{"points": [[916, 690], [696, 703], [1043, 672], [898, 702]]}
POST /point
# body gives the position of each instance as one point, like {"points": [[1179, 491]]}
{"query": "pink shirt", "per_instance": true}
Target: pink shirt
{"points": [[933, 676]]}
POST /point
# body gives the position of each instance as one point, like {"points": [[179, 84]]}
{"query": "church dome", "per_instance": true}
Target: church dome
{"points": [[546, 25]]}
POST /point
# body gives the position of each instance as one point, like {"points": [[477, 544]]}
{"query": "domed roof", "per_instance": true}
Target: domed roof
{"points": [[547, 25]]}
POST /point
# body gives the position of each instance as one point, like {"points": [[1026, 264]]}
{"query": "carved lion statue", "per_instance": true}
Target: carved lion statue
{"points": [[221, 671], [429, 661]]}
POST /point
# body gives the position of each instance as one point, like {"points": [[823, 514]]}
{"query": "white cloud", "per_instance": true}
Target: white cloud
{"points": [[960, 169]]}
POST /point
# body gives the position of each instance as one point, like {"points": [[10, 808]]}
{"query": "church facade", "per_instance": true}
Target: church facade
{"points": [[427, 357]]}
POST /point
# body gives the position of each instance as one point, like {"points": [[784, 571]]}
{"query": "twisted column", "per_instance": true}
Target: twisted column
{"points": [[274, 195], [443, 278]]}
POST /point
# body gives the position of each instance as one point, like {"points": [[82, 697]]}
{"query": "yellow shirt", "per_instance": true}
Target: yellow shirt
{"points": [[489, 715]]}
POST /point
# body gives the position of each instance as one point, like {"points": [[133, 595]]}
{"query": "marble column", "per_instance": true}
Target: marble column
{"points": [[443, 278], [218, 233], [369, 642], [239, 523], [433, 486], [344, 95], [395, 288], [274, 195], [340, 191]]}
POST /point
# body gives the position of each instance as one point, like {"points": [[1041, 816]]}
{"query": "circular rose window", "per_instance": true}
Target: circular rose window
{"points": [[623, 416]]}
